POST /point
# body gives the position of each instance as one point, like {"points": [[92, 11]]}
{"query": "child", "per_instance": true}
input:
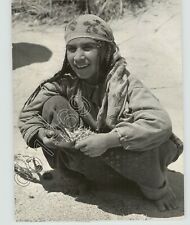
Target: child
{"points": [[96, 119]]}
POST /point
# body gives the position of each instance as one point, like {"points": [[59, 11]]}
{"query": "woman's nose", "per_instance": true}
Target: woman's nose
{"points": [[79, 55]]}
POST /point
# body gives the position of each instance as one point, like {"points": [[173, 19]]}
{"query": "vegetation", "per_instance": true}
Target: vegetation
{"points": [[61, 11]]}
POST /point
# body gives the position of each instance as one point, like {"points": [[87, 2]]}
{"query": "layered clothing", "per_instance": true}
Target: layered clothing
{"points": [[118, 103]]}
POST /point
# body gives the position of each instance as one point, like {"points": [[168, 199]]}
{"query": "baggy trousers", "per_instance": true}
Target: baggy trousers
{"points": [[146, 168]]}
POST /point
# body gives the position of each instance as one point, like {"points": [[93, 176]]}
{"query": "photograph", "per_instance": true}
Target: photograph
{"points": [[98, 114]]}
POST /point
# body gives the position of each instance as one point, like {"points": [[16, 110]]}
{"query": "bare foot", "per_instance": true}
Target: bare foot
{"points": [[167, 202]]}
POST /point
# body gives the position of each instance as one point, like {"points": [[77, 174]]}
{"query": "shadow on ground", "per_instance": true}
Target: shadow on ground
{"points": [[122, 200], [27, 53]]}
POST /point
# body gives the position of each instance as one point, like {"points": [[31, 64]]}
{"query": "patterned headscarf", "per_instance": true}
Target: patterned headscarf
{"points": [[92, 26], [89, 26]]}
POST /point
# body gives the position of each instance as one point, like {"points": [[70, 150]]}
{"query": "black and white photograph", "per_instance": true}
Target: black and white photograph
{"points": [[98, 114]]}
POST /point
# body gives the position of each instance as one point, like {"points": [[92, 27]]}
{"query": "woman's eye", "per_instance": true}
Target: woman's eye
{"points": [[71, 49], [88, 47]]}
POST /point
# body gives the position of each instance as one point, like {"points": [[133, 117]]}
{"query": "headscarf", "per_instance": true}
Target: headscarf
{"points": [[89, 26], [92, 26], [116, 74]]}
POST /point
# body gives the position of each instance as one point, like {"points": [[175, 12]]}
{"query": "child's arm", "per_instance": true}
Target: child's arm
{"points": [[144, 124]]}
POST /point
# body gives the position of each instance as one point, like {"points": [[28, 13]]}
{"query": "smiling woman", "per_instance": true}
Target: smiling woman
{"points": [[83, 56], [97, 120]]}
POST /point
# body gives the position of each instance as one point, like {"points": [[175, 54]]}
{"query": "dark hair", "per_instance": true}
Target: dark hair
{"points": [[106, 58]]}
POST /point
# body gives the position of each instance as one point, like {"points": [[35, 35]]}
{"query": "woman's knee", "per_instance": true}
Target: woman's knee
{"points": [[54, 103], [58, 111]]}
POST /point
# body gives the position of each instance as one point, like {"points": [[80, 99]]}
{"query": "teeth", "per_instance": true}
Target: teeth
{"points": [[81, 67]]}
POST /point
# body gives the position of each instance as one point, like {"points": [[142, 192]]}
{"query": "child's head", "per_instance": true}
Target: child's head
{"points": [[90, 46]]}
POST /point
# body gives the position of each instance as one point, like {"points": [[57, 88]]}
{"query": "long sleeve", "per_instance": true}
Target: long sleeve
{"points": [[144, 124], [30, 119]]}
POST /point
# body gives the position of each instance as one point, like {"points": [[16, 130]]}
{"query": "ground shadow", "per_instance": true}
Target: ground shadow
{"points": [[123, 199], [24, 54]]}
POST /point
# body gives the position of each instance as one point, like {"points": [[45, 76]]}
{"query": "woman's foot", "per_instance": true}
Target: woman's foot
{"points": [[167, 202]]}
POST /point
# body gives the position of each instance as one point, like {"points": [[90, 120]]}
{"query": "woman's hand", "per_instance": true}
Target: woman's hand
{"points": [[95, 145], [49, 140]]}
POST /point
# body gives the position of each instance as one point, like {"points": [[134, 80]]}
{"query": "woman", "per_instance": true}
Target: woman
{"points": [[96, 119]]}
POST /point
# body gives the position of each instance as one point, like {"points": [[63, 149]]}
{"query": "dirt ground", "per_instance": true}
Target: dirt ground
{"points": [[151, 44]]}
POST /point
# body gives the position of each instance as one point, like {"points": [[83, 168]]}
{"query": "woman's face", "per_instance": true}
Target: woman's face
{"points": [[82, 54]]}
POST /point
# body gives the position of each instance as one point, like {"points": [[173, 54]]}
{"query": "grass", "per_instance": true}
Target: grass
{"points": [[61, 11]]}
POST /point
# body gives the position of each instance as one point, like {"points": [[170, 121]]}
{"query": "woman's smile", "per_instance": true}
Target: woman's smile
{"points": [[81, 64], [81, 67]]}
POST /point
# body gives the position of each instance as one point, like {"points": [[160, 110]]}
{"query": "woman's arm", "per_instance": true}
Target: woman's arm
{"points": [[144, 124], [30, 120]]}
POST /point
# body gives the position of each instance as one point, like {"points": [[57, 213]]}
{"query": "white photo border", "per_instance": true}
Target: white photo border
{"points": [[6, 121]]}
